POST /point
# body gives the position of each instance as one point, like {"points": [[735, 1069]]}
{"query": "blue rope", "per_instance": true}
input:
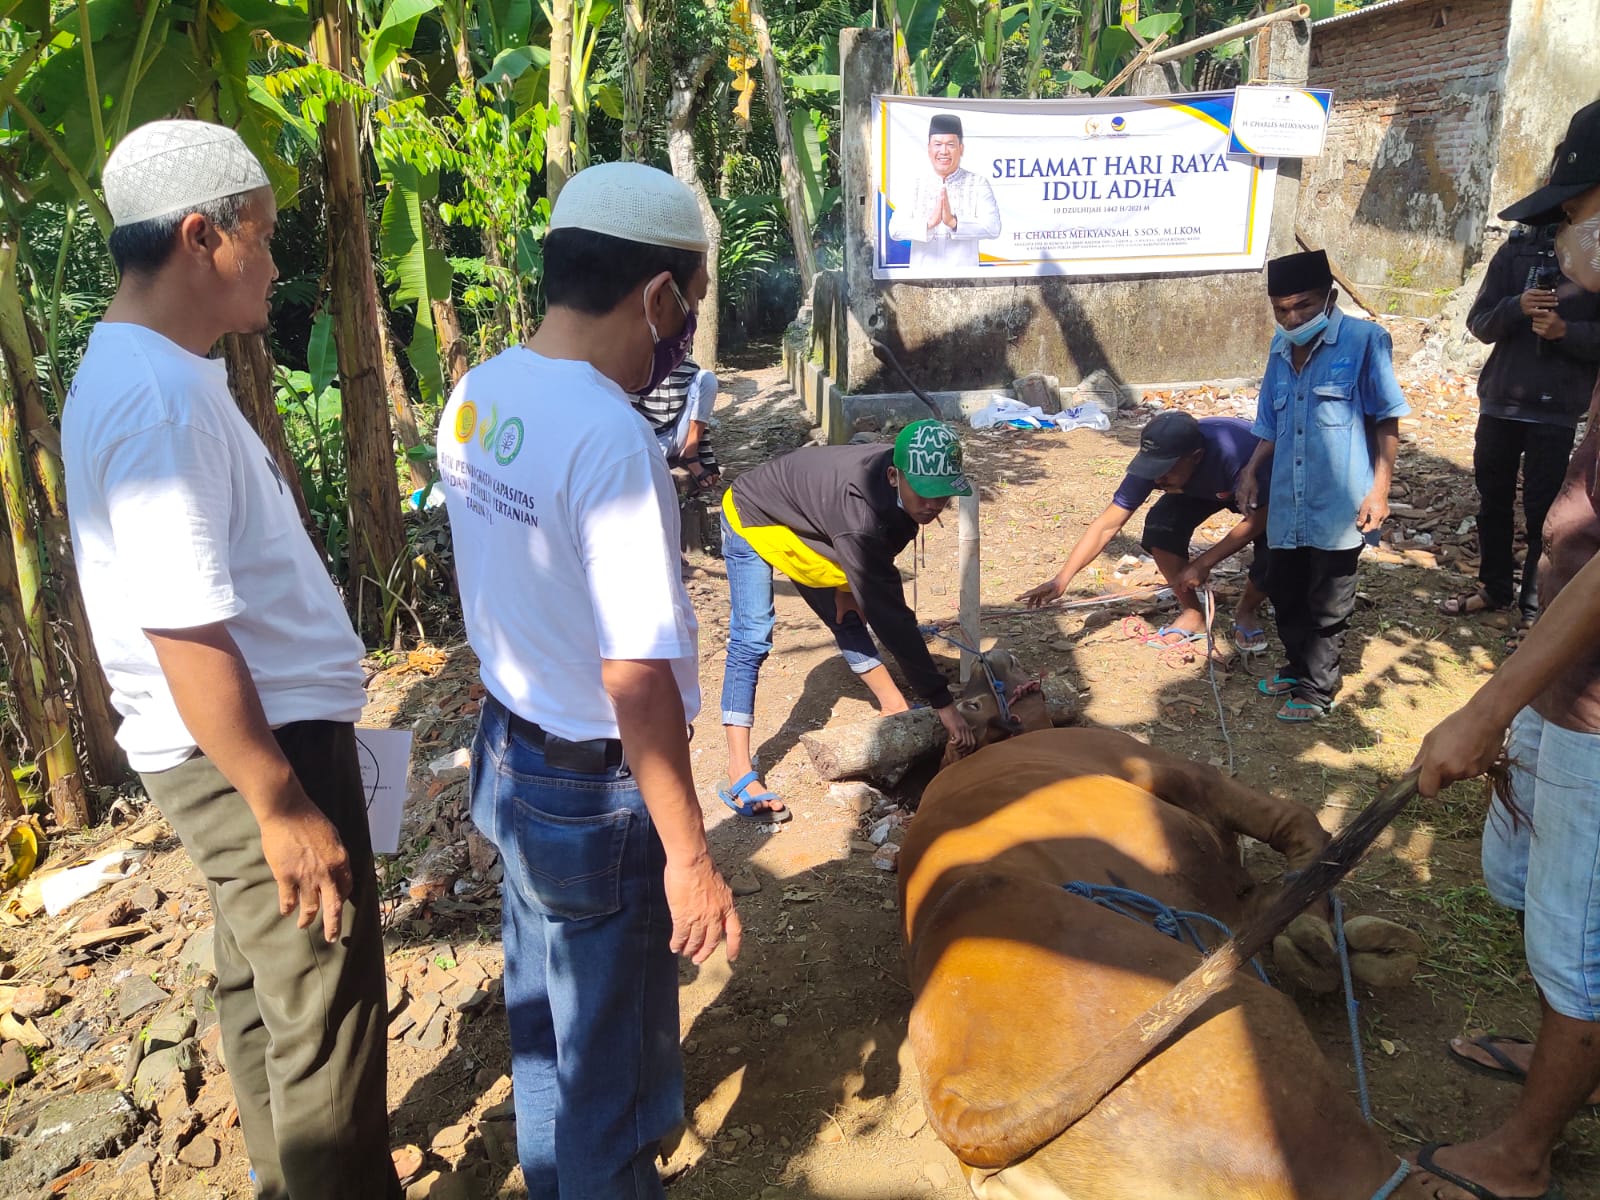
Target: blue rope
{"points": [[1352, 1009], [1176, 923], [1392, 1184], [995, 684]]}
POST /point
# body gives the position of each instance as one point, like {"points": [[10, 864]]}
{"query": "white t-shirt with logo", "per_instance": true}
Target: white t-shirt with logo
{"points": [[180, 518], [565, 527]]}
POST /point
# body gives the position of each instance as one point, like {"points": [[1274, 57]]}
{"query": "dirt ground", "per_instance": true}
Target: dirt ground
{"points": [[799, 1082]]}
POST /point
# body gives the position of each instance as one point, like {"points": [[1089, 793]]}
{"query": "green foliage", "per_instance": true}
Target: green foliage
{"points": [[311, 407]]}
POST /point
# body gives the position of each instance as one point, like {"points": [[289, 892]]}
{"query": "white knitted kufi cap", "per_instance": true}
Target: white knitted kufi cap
{"points": [[174, 166], [634, 202]]}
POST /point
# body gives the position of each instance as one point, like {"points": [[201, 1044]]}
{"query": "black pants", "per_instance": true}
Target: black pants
{"points": [[1172, 520], [1541, 451], [1313, 593]]}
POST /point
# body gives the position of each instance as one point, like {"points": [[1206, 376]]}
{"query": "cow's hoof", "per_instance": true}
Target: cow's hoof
{"points": [[1382, 953], [1305, 954]]}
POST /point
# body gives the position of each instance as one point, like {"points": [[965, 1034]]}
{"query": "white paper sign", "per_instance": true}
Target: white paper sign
{"points": [[385, 758], [1282, 122]]}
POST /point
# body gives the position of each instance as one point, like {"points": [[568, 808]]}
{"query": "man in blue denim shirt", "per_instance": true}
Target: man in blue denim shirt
{"points": [[1328, 418]]}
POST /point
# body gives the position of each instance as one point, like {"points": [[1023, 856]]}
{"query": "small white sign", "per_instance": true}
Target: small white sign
{"points": [[1279, 122], [385, 758]]}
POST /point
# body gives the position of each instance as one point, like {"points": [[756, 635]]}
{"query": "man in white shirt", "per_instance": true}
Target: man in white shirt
{"points": [[565, 527], [231, 659], [948, 212]]}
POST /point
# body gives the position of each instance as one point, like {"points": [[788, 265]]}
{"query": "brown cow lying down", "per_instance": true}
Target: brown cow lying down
{"points": [[1017, 982]]}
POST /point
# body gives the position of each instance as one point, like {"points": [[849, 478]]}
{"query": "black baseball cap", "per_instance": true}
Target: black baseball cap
{"points": [[1169, 437], [1576, 170]]}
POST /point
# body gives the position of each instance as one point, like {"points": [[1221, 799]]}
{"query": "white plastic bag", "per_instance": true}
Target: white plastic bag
{"points": [[1005, 410], [1088, 415]]}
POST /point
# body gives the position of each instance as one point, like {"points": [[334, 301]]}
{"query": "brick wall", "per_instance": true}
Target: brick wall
{"points": [[1400, 194]]}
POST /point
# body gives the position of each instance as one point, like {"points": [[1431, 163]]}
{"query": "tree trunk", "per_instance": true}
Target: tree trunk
{"points": [[250, 379], [885, 748], [794, 200], [558, 144], [97, 719], [635, 76], [405, 418], [40, 669], [10, 797], [446, 321], [683, 106], [14, 647], [991, 34], [377, 539]]}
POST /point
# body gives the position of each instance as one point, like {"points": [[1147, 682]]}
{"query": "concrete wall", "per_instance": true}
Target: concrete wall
{"points": [[1552, 73], [1402, 190], [957, 335]]}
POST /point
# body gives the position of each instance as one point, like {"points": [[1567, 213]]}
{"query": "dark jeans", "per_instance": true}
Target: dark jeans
{"points": [[1172, 520], [1313, 594], [304, 1024], [1542, 452]]}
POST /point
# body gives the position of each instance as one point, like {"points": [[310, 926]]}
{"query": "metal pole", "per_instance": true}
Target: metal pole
{"points": [[968, 560], [1232, 33]]}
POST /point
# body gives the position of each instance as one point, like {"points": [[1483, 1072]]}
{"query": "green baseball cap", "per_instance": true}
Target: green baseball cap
{"points": [[928, 454]]}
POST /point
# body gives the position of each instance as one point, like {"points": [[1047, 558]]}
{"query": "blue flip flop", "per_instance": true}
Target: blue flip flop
{"points": [[739, 798], [1278, 685], [1249, 641], [1296, 711]]}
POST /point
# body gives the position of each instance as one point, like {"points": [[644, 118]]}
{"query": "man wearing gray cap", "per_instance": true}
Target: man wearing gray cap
{"points": [[946, 213], [231, 659], [565, 527]]}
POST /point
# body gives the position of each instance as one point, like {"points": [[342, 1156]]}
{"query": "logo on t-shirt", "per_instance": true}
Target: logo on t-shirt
{"points": [[466, 421], [508, 444]]}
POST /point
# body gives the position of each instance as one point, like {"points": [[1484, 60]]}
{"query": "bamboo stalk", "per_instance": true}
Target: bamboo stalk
{"points": [[1231, 34], [1138, 61]]}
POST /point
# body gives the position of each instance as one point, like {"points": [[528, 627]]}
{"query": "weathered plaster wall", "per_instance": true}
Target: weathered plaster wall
{"points": [[1401, 192], [1554, 70], [958, 335]]}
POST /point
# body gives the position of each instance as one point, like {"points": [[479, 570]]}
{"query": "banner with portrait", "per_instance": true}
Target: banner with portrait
{"points": [[986, 189]]}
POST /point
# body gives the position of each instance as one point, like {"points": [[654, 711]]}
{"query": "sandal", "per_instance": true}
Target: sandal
{"points": [[1461, 606], [1249, 641], [1490, 1044], [1185, 638], [1425, 1161], [701, 478], [743, 802], [1279, 685], [1296, 711]]}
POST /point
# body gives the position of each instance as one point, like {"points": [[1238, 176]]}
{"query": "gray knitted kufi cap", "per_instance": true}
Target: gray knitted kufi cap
{"points": [[168, 167]]}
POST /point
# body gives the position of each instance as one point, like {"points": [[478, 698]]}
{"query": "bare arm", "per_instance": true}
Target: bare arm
{"points": [[1467, 742], [1088, 548], [221, 709], [1375, 508], [651, 721], [1248, 489], [1241, 535]]}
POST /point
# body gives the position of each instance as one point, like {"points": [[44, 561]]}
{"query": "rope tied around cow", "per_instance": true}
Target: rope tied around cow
{"points": [[1176, 923]]}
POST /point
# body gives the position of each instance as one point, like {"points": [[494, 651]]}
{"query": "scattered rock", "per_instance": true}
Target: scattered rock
{"points": [[481, 854], [138, 994], [1113, 397], [199, 952], [451, 1137], [14, 1065], [162, 1069], [110, 916], [453, 767], [168, 1030], [202, 1153], [467, 999], [886, 857], [210, 1044], [396, 996], [440, 1185], [911, 1123], [857, 798], [63, 1132], [177, 1130], [79, 973], [780, 1020], [745, 883], [147, 898], [430, 1036], [35, 1001], [213, 1099]]}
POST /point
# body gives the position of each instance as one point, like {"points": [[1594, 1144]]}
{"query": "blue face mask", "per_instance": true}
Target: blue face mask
{"points": [[1301, 335]]}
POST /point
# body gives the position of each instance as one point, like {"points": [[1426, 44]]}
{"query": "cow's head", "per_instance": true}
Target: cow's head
{"points": [[980, 708]]}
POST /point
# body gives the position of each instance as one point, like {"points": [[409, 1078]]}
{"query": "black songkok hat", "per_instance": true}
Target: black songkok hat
{"points": [[944, 123], [1296, 273]]}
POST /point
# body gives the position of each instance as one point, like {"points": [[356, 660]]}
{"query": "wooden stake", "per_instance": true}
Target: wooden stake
{"points": [[968, 559], [1338, 276]]}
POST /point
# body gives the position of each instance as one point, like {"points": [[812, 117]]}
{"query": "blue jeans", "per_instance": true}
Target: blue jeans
{"points": [[1551, 873], [591, 983], [750, 620]]}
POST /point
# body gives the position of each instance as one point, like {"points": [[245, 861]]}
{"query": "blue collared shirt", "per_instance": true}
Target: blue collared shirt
{"points": [[1321, 423]]}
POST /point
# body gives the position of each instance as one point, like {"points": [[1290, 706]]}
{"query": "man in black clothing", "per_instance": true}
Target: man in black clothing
{"points": [[833, 519], [1545, 331]]}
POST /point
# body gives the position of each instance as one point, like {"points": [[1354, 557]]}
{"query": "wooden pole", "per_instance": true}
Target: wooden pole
{"points": [[1138, 61], [793, 196], [969, 556], [1231, 34]]}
